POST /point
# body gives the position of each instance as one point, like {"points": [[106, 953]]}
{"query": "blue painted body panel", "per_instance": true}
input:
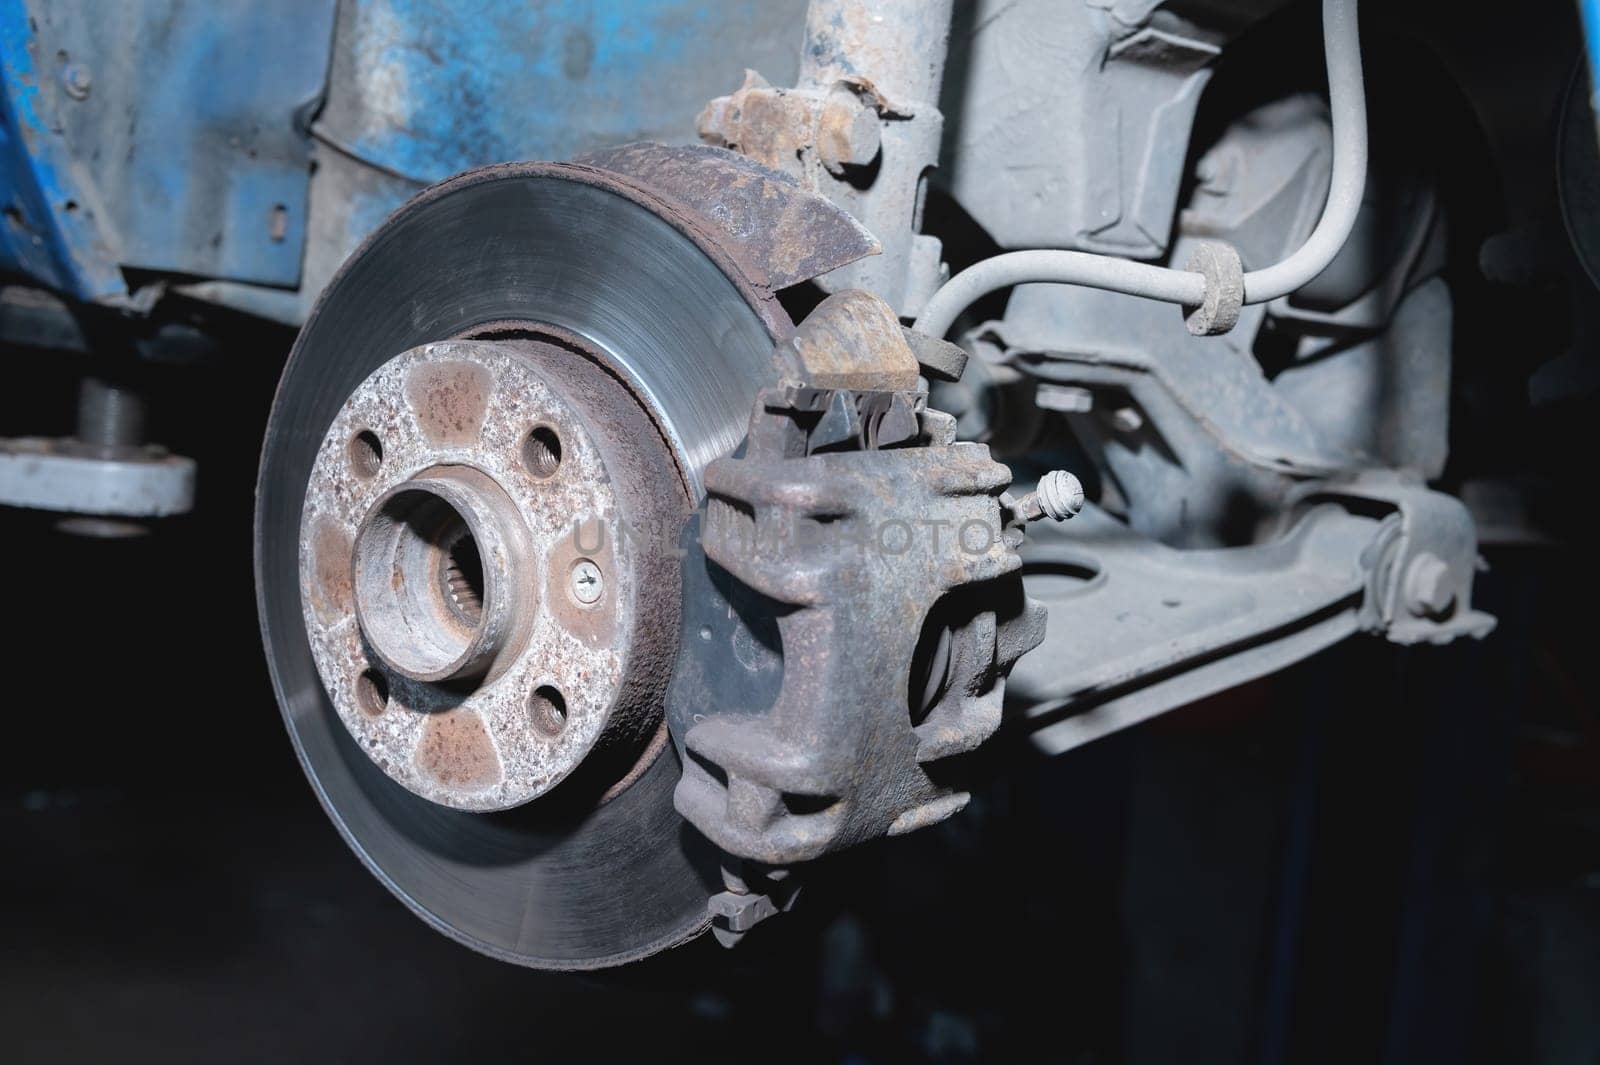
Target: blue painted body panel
{"points": [[41, 237], [178, 154], [191, 157], [508, 78]]}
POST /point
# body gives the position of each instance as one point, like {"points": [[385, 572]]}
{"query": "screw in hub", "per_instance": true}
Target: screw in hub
{"points": [[586, 582]]}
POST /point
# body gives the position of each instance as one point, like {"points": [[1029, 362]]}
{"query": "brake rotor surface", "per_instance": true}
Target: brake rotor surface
{"points": [[559, 885]]}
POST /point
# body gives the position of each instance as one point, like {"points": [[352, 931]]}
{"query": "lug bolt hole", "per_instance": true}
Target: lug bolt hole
{"points": [[372, 693], [548, 710], [366, 454], [541, 452]]}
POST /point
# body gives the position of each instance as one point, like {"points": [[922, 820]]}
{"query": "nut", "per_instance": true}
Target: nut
{"points": [[848, 133], [1428, 589]]}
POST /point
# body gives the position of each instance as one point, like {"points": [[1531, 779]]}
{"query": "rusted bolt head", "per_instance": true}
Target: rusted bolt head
{"points": [[848, 133], [715, 123], [1429, 591]]}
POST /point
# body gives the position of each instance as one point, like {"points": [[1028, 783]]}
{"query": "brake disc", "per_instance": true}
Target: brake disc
{"points": [[521, 357]]}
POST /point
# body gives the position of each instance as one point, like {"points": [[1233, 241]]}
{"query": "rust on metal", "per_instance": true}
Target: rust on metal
{"points": [[450, 400], [331, 588], [782, 233], [884, 581], [456, 750], [853, 340], [469, 532]]}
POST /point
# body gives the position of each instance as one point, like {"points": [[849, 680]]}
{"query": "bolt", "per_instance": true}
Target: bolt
{"points": [[109, 417], [1127, 420], [848, 133], [587, 582], [1216, 171], [1428, 589], [1058, 497], [76, 81]]}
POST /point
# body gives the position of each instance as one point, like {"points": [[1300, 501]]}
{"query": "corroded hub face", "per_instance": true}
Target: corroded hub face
{"points": [[485, 570]]}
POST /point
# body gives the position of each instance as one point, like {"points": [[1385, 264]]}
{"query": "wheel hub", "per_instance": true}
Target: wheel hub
{"points": [[483, 582]]}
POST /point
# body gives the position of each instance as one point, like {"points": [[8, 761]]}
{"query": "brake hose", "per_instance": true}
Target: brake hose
{"points": [[1209, 286]]}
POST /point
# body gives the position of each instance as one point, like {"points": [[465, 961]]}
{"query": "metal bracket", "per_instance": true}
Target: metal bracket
{"points": [[1138, 628], [69, 477], [1422, 564]]}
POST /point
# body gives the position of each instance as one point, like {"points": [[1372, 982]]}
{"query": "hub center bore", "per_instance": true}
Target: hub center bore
{"points": [[440, 576]]}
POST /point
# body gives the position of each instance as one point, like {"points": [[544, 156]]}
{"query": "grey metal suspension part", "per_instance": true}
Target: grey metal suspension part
{"points": [[1170, 627], [106, 479], [1245, 519], [1197, 443], [1188, 287], [1092, 157], [1245, 516]]}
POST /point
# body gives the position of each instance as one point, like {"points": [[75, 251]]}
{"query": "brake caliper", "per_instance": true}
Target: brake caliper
{"points": [[853, 603]]}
